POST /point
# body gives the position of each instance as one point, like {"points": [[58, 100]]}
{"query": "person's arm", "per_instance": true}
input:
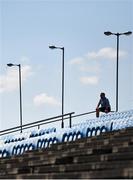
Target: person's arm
{"points": [[98, 104]]}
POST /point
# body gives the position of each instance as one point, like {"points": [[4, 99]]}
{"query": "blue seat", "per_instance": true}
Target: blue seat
{"points": [[5, 153], [31, 146], [0, 153], [34, 134]]}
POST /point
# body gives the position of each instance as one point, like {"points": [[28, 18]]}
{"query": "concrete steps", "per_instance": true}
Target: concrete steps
{"points": [[109, 155], [74, 151], [106, 174]]}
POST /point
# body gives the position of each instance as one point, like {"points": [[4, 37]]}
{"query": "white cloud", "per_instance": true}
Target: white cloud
{"points": [[89, 80], [9, 81], [26, 72], [107, 52], [90, 62], [43, 98], [78, 60]]}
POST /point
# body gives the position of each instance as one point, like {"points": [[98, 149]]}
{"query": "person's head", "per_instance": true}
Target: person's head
{"points": [[102, 95]]}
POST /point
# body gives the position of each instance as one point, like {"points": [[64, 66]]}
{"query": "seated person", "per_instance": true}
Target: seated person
{"points": [[104, 105]]}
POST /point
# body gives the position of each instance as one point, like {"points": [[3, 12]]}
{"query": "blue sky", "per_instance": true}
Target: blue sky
{"points": [[28, 27]]}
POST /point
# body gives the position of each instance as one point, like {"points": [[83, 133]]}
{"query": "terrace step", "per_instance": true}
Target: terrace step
{"points": [[111, 173], [109, 155], [73, 151], [82, 167], [71, 148], [66, 159], [93, 166]]}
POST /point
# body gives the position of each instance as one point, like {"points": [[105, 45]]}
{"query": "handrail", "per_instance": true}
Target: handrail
{"points": [[70, 123], [91, 112], [45, 121], [29, 125], [83, 114]]}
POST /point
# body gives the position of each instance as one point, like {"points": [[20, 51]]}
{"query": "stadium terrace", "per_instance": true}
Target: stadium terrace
{"points": [[13, 145]]}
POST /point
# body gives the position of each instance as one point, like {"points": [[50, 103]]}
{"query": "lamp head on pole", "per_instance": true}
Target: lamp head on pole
{"points": [[56, 47], [108, 33], [128, 33], [52, 47], [10, 64]]}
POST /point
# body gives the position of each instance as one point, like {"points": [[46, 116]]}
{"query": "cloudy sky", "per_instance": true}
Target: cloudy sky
{"points": [[28, 27]]}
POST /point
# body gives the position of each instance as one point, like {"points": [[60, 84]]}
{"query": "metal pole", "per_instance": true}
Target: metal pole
{"points": [[108, 33], [70, 121], [117, 69], [62, 124], [20, 90]]}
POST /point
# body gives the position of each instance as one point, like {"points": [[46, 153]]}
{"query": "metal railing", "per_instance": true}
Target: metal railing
{"points": [[38, 123], [70, 117]]}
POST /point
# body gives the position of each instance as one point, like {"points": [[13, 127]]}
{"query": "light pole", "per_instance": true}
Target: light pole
{"points": [[62, 48], [20, 91], [108, 33]]}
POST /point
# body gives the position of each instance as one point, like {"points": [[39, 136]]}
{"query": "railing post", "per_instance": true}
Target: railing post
{"points": [[38, 123], [62, 121], [70, 121]]}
